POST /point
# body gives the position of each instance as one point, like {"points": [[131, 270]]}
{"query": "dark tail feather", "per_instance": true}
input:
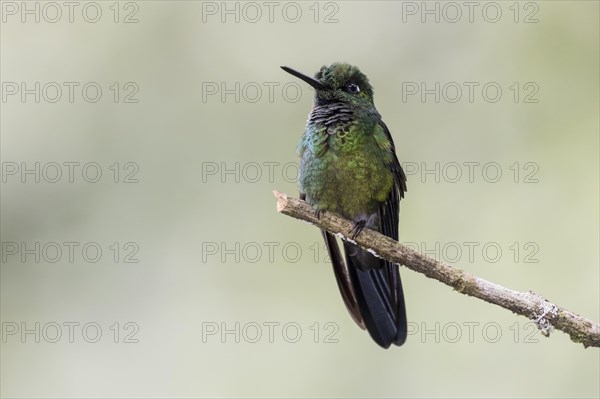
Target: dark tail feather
{"points": [[382, 308], [343, 278]]}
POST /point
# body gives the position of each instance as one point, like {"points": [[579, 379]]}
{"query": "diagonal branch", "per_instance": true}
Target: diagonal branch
{"points": [[529, 304]]}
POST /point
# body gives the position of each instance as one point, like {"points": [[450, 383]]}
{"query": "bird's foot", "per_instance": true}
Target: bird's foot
{"points": [[357, 228], [318, 213]]}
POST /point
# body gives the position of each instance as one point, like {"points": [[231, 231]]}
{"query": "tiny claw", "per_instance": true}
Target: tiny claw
{"points": [[318, 213], [358, 227]]}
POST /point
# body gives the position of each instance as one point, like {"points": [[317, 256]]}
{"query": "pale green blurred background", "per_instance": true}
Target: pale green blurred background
{"points": [[177, 214]]}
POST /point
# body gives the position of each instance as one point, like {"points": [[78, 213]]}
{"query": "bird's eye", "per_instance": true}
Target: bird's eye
{"points": [[353, 88]]}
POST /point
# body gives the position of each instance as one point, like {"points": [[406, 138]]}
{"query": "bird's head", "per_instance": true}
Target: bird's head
{"points": [[338, 82]]}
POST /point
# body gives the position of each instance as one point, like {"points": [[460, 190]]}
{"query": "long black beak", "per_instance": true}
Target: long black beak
{"points": [[311, 81]]}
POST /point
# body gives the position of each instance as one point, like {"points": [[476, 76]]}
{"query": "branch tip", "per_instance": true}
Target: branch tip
{"points": [[282, 200]]}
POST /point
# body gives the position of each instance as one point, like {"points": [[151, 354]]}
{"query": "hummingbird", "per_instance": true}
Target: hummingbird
{"points": [[349, 167]]}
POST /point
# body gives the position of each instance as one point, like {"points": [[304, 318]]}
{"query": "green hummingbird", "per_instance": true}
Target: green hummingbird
{"points": [[349, 166]]}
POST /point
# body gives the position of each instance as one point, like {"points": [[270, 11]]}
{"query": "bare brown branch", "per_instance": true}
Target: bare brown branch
{"points": [[529, 304]]}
